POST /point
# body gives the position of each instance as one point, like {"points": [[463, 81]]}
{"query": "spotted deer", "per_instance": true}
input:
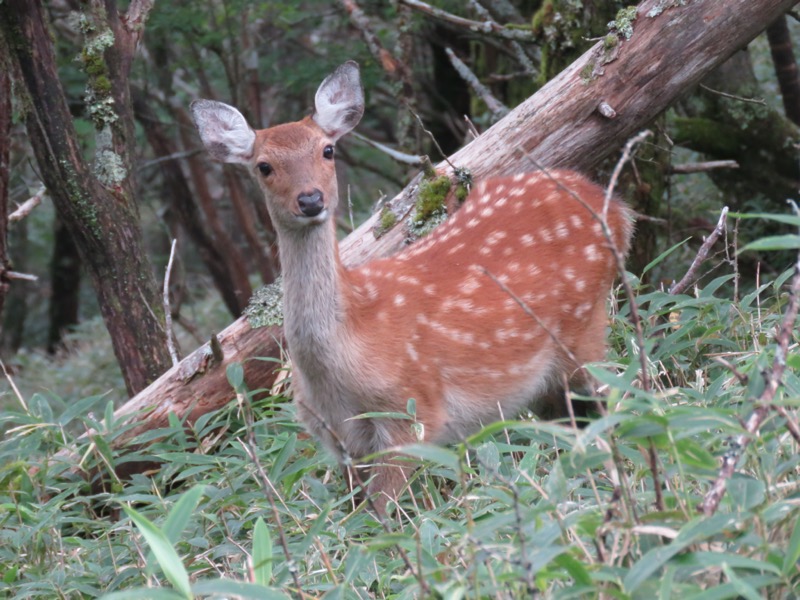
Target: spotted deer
{"points": [[491, 313]]}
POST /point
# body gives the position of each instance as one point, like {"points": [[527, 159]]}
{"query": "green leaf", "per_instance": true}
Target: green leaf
{"points": [[663, 255], [788, 219], [179, 516], [696, 529], [165, 554], [143, 594], [789, 241], [235, 375], [240, 589], [262, 553], [79, 408], [181, 513], [381, 415], [434, 454], [792, 551]]}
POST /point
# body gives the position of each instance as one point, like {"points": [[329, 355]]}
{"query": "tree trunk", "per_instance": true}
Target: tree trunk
{"points": [[97, 207], [5, 147], [229, 274], [65, 285], [559, 126]]}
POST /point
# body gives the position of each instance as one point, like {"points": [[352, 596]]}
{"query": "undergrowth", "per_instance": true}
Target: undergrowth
{"points": [[522, 508]]}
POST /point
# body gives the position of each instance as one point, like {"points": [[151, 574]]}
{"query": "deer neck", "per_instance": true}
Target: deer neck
{"points": [[314, 297]]}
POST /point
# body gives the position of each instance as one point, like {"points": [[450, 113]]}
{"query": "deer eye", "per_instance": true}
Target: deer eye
{"points": [[265, 168], [327, 152]]}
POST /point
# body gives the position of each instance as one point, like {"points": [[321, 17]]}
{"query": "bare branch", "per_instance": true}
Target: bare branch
{"points": [[172, 343], [487, 27], [401, 157], [26, 207], [760, 101], [497, 108], [701, 167], [702, 254]]}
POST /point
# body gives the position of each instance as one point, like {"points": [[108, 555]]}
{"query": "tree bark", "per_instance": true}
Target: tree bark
{"points": [[65, 285], [559, 126], [5, 148], [99, 212]]}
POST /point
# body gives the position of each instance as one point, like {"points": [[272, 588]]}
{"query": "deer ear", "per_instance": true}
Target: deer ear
{"points": [[339, 101], [224, 131]]}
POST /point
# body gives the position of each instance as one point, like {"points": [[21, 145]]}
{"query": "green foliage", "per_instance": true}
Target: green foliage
{"points": [[521, 507]]}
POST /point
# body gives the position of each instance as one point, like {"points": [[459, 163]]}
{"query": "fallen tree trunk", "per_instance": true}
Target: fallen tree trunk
{"points": [[575, 121]]}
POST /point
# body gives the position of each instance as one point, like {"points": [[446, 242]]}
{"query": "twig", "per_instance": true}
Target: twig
{"points": [[401, 157], [763, 403], [171, 341], [487, 27], [626, 156], [759, 101], [497, 108], [435, 143], [21, 276], [26, 207], [702, 254], [701, 167], [14, 387]]}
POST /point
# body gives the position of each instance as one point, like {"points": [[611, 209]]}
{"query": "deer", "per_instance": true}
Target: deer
{"points": [[493, 313]]}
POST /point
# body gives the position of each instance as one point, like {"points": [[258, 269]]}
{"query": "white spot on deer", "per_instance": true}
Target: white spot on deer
{"points": [[366, 272], [517, 192], [465, 305], [485, 250], [569, 273], [412, 352], [469, 286], [576, 221], [457, 248], [527, 240], [501, 202], [484, 345], [513, 267], [485, 199], [409, 279], [591, 254], [528, 336], [508, 251], [580, 285], [553, 196], [429, 289], [582, 309], [510, 304], [487, 212], [469, 208], [547, 236], [399, 300], [372, 291], [499, 189], [495, 237], [518, 177], [597, 228], [533, 270], [473, 223], [562, 231]]}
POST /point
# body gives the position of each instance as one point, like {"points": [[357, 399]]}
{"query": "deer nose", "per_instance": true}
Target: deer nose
{"points": [[310, 203]]}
